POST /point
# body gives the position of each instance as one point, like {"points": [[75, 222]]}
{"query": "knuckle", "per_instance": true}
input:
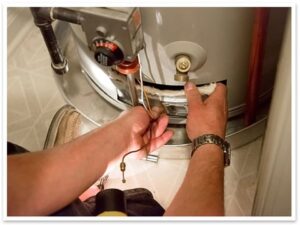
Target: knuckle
{"points": [[139, 109]]}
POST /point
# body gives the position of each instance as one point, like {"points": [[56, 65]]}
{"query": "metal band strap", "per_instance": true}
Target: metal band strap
{"points": [[213, 139]]}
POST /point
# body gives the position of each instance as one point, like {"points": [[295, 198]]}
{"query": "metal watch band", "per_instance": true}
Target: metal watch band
{"points": [[213, 139]]}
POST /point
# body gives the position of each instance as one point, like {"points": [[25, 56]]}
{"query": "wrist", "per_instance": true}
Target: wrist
{"points": [[213, 151], [121, 133]]}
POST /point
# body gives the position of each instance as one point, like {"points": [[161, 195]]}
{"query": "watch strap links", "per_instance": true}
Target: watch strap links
{"points": [[213, 139]]}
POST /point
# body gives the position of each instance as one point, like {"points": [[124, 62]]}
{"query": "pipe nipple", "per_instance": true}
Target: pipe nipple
{"points": [[60, 68]]}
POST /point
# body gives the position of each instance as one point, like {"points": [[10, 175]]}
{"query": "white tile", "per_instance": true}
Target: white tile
{"points": [[234, 209], [238, 159], [231, 179], [251, 165], [33, 96], [25, 138], [18, 108], [242, 194]]}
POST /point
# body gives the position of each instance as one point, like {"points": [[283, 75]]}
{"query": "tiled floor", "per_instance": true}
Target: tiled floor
{"points": [[33, 98], [164, 178]]}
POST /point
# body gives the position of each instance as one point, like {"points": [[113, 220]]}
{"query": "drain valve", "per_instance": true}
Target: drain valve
{"points": [[183, 65]]}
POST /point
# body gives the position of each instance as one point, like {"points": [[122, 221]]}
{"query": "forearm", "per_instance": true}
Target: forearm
{"points": [[201, 193], [42, 182]]}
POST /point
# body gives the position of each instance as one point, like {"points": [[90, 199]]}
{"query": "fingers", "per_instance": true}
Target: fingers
{"points": [[161, 140], [160, 125], [155, 143], [140, 110], [136, 119], [219, 98], [193, 96], [159, 135], [157, 129], [219, 95], [156, 111]]}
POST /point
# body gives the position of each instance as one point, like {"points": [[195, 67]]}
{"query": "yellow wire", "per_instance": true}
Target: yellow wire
{"points": [[150, 112], [148, 108], [148, 104]]}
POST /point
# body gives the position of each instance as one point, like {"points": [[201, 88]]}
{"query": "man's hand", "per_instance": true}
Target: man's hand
{"points": [[206, 117], [135, 124], [204, 181]]}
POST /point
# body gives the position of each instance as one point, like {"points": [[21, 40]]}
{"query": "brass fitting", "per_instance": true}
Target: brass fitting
{"points": [[183, 65]]}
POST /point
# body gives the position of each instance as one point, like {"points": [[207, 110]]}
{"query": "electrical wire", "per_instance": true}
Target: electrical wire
{"points": [[150, 113], [144, 93], [148, 145], [123, 164]]}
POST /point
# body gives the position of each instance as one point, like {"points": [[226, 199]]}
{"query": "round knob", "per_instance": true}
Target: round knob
{"points": [[183, 63], [107, 53]]}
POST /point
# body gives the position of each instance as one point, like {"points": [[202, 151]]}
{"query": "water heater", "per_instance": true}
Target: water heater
{"points": [[162, 48]]}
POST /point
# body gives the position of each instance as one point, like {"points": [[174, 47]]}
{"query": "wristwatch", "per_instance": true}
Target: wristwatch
{"points": [[213, 139]]}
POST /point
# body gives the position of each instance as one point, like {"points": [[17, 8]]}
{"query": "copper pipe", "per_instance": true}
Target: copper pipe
{"points": [[130, 69], [255, 64]]}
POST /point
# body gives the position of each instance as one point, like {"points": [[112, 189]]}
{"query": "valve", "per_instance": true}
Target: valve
{"points": [[107, 53], [183, 65]]}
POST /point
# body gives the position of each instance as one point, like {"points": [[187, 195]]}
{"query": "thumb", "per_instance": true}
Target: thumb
{"points": [[193, 96]]}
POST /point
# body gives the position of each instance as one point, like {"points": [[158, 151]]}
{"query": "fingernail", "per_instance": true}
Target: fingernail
{"points": [[157, 109], [189, 86]]}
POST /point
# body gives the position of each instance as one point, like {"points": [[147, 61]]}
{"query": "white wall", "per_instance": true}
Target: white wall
{"points": [[273, 197]]}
